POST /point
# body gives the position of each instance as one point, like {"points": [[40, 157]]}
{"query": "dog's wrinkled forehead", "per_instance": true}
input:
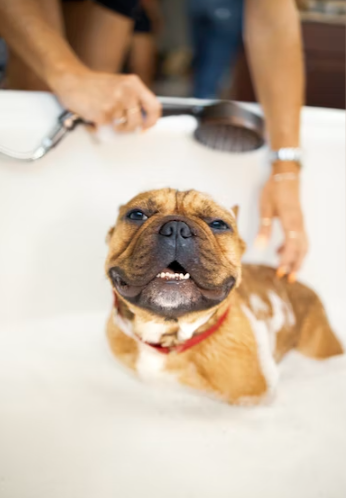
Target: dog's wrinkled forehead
{"points": [[198, 207], [169, 201]]}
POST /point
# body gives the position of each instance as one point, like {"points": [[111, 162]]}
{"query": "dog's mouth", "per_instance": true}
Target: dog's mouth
{"points": [[175, 272], [172, 292]]}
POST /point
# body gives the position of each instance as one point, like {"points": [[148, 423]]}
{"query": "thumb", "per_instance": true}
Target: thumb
{"points": [[266, 219]]}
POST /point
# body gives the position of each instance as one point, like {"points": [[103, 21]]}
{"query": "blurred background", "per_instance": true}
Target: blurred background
{"points": [[194, 48]]}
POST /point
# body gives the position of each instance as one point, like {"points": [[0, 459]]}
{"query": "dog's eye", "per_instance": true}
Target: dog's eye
{"points": [[218, 225], [137, 215]]}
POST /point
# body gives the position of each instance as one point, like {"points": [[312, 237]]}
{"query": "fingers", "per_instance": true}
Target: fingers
{"points": [[264, 232], [103, 99], [281, 199], [288, 209], [127, 113], [288, 258], [302, 252], [266, 219], [292, 254], [150, 105], [140, 107], [134, 120], [130, 120]]}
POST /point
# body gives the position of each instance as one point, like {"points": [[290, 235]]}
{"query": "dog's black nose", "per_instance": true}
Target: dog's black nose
{"points": [[176, 229]]}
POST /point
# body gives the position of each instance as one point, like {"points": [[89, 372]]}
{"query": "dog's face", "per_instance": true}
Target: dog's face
{"points": [[174, 252]]}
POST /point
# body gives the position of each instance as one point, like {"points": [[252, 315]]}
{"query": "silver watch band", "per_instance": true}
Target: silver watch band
{"points": [[286, 154]]}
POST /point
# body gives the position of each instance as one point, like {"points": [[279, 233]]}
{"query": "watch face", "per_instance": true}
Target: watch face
{"points": [[286, 154]]}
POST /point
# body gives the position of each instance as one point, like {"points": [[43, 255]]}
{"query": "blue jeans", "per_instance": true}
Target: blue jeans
{"points": [[216, 29]]}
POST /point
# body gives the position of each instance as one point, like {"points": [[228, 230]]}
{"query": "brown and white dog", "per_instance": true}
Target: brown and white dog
{"points": [[186, 310]]}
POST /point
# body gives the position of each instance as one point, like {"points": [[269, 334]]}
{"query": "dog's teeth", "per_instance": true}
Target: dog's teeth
{"points": [[173, 276]]}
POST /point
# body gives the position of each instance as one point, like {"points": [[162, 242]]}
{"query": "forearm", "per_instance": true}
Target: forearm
{"points": [[273, 42], [27, 32]]}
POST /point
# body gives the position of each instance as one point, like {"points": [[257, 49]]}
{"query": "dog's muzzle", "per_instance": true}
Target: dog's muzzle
{"points": [[176, 234]]}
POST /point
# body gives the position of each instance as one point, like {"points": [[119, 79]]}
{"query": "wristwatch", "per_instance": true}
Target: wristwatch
{"points": [[286, 154]]}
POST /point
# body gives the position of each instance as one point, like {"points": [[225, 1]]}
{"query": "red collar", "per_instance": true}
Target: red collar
{"points": [[196, 339], [180, 348]]}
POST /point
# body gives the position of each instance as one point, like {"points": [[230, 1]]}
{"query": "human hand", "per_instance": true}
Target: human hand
{"points": [[102, 98], [280, 198]]}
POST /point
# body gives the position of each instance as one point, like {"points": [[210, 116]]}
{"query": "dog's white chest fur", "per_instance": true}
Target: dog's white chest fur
{"points": [[151, 365]]}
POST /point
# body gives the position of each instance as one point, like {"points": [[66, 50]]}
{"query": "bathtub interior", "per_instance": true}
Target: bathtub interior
{"points": [[72, 423]]}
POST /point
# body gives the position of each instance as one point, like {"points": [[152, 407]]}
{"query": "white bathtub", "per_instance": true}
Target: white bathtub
{"points": [[72, 423]]}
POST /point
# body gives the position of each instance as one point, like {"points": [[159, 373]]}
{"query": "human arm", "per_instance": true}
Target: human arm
{"points": [[273, 43], [95, 96]]}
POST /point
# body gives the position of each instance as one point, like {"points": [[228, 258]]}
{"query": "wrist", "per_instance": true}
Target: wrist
{"points": [[285, 167], [63, 75], [286, 159]]}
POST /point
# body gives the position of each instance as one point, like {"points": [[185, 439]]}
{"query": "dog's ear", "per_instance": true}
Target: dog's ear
{"points": [[109, 235], [242, 245], [235, 211]]}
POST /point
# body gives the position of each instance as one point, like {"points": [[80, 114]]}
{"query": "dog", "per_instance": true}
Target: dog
{"points": [[186, 310]]}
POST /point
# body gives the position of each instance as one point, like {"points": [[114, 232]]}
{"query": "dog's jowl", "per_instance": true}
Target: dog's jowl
{"points": [[187, 311]]}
